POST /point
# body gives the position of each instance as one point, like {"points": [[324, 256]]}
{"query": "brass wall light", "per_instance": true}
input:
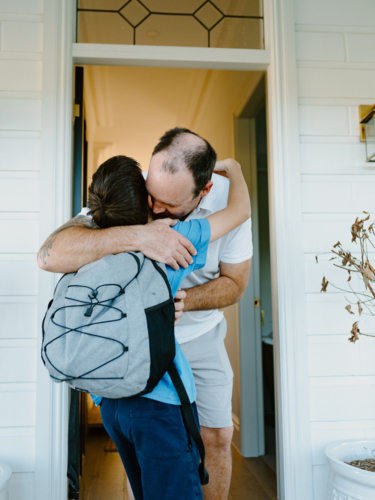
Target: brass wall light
{"points": [[367, 116]]}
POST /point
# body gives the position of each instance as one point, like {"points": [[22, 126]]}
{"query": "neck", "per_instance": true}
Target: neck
{"points": [[187, 215]]}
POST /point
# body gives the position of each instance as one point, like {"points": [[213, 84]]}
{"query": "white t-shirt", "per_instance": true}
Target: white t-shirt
{"points": [[233, 248]]}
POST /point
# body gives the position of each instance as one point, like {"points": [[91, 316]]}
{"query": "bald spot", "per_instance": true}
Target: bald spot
{"points": [[178, 153]]}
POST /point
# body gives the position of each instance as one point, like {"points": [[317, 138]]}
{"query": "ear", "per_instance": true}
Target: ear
{"points": [[207, 188], [150, 217], [149, 201]]}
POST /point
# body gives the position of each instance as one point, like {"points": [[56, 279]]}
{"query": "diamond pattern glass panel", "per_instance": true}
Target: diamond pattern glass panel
{"points": [[173, 6], [242, 8], [103, 27], [177, 31], [208, 15], [101, 4], [134, 12], [189, 23], [238, 33]]}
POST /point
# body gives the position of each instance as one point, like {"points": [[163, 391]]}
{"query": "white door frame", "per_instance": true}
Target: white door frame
{"points": [[59, 55]]}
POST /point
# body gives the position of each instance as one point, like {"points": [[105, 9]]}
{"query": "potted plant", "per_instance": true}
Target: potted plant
{"points": [[352, 463]]}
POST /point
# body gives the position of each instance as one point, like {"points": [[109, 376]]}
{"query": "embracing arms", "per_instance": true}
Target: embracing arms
{"points": [[80, 241], [238, 208], [231, 284], [220, 292]]}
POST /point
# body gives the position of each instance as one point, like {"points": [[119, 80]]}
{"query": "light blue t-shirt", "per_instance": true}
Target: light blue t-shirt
{"points": [[198, 231]]}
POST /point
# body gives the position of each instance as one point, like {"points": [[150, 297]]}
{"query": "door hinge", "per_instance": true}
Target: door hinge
{"points": [[76, 110]]}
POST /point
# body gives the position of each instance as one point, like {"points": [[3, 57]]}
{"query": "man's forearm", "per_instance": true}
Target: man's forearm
{"points": [[223, 291], [214, 294], [80, 241], [82, 245]]}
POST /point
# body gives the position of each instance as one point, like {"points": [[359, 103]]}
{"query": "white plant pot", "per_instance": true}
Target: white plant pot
{"points": [[5, 475], [346, 482]]}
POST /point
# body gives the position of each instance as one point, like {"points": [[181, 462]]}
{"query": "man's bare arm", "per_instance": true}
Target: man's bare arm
{"points": [[46, 248], [80, 241], [223, 291]]}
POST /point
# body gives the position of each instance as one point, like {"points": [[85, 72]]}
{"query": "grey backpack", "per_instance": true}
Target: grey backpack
{"points": [[109, 331]]}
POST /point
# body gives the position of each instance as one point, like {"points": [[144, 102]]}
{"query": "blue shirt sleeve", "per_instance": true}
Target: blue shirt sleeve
{"points": [[198, 231]]}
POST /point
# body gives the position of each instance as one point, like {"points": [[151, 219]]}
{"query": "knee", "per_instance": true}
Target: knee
{"points": [[218, 439]]}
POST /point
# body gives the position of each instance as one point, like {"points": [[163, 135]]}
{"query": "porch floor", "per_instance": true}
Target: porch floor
{"points": [[105, 477]]}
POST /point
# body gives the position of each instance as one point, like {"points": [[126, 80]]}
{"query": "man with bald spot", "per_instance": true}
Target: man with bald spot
{"points": [[181, 186]]}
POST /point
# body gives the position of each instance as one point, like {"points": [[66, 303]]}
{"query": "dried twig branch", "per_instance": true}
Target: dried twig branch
{"points": [[351, 264]]}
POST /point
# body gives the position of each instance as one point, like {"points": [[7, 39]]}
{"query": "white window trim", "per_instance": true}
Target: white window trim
{"points": [[171, 57], [59, 55]]}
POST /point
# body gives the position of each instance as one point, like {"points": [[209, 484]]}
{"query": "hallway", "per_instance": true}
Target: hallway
{"points": [[252, 479]]}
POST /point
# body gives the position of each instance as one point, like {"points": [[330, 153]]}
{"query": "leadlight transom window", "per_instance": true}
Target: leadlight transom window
{"points": [[184, 23]]}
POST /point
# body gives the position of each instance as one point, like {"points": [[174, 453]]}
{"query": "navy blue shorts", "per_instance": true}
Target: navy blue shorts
{"points": [[159, 456]]}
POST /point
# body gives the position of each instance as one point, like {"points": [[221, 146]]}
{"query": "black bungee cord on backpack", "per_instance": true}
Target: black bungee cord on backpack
{"points": [[89, 310]]}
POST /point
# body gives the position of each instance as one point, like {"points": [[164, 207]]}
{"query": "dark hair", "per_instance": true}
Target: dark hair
{"points": [[199, 159], [117, 194]]}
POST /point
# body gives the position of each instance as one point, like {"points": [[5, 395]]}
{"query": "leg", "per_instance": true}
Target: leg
{"points": [[167, 457], [115, 417], [218, 462], [213, 377]]}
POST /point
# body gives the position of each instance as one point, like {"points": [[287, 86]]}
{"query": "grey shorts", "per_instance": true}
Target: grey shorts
{"points": [[213, 376]]}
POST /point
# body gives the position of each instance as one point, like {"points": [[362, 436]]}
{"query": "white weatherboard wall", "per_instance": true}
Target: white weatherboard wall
{"points": [[335, 42], [21, 32]]}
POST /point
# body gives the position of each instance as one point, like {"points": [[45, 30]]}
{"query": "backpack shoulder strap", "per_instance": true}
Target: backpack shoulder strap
{"points": [[189, 419], [164, 276]]}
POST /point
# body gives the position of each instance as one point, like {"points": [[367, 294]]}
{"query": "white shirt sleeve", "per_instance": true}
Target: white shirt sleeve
{"points": [[239, 245], [85, 211]]}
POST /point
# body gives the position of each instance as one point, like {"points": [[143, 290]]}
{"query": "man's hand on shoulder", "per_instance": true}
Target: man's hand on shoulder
{"points": [[158, 241]]}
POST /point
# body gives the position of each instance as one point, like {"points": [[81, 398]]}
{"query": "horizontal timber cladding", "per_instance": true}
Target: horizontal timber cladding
{"points": [[19, 446], [20, 75], [20, 128], [19, 235], [20, 114], [19, 151], [334, 14], [15, 325], [18, 364], [22, 37], [14, 400], [336, 73]]}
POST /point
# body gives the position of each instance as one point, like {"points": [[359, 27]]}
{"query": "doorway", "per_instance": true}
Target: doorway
{"points": [[126, 110], [278, 61]]}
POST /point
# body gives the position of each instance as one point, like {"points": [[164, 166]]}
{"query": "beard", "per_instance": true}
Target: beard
{"points": [[167, 215], [180, 216]]}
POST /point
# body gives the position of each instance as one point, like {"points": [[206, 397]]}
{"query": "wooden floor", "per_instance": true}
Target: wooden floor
{"points": [[255, 478], [252, 479], [105, 478]]}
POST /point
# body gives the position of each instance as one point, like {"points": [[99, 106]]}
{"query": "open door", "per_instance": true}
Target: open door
{"points": [[249, 434], [255, 350], [77, 416]]}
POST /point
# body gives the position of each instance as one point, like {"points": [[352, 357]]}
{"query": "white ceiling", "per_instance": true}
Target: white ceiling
{"points": [[129, 108]]}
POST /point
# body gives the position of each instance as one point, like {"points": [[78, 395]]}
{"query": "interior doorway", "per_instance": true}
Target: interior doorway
{"points": [[256, 371], [252, 150], [126, 110]]}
